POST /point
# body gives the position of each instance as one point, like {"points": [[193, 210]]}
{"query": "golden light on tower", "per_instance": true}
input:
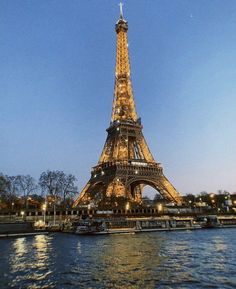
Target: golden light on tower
{"points": [[126, 163]]}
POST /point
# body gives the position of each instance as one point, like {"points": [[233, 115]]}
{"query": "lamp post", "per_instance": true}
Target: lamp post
{"points": [[22, 214], [12, 207], [44, 207], [54, 214]]}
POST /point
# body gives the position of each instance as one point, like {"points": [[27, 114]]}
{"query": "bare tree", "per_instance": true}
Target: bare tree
{"points": [[27, 186], [4, 189], [203, 193], [4, 184], [13, 188], [58, 184], [68, 187], [8, 189], [49, 182]]}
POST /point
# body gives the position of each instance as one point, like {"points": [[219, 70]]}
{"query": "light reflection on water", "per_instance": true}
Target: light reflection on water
{"points": [[29, 261], [187, 259]]}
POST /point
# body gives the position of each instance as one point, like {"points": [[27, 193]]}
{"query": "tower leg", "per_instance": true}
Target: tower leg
{"points": [[168, 191], [83, 195]]}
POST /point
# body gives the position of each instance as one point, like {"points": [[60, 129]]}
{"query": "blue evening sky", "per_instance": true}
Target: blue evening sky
{"points": [[57, 79]]}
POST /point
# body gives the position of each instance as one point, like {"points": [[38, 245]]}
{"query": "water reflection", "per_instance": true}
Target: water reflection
{"points": [[79, 247], [19, 251], [42, 249], [29, 260], [128, 260], [156, 260]]}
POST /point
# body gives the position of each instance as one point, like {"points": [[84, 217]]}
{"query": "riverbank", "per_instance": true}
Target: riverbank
{"points": [[19, 229], [111, 225]]}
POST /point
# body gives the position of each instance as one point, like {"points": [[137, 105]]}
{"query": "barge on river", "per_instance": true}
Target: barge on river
{"points": [[133, 225]]}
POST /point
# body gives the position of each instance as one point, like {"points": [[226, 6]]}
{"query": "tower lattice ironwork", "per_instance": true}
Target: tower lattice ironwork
{"points": [[126, 164]]}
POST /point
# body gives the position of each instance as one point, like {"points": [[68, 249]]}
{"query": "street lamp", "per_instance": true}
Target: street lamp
{"points": [[213, 203], [44, 208], [22, 214]]}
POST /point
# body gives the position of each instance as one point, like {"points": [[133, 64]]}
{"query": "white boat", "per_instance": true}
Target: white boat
{"points": [[101, 228], [116, 231], [132, 226]]}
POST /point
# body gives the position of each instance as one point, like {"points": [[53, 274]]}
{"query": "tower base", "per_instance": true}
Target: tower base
{"points": [[112, 184]]}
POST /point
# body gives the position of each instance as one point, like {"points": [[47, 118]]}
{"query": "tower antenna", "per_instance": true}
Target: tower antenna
{"points": [[121, 10]]}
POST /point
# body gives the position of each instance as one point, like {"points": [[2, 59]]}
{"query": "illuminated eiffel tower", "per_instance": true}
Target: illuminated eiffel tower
{"points": [[126, 164]]}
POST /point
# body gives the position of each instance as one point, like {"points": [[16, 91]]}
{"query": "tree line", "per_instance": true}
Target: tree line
{"points": [[23, 191], [219, 199], [59, 188]]}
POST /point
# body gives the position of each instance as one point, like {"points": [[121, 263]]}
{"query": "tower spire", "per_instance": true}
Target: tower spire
{"points": [[121, 10], [123, 102]]}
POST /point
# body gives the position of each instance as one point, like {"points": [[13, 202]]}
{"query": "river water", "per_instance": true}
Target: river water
{"points": [[183, 259]]}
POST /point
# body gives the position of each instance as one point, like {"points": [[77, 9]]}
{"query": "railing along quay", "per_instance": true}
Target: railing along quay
{"points": [[73, 213]]}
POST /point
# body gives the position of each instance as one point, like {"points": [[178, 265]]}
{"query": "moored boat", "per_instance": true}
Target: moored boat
{"points": [[134, 225], [209, 222], [101, 228], [227, 221]]}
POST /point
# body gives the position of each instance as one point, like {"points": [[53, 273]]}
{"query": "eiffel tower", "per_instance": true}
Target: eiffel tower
{"points": [[126, 164]]}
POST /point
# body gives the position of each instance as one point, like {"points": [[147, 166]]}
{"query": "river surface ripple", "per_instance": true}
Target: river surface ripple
{"points": [[184, 259]]}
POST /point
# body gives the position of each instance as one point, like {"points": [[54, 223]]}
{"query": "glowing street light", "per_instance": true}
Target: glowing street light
{"points": [[44, 208], [22, 214]]}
